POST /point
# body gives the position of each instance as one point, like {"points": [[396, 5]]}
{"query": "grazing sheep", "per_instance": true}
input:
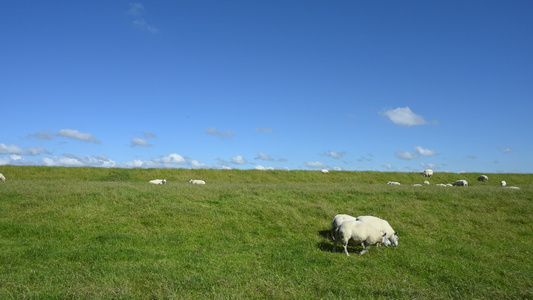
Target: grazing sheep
{"points": [[483, 178], [461, 183], [503, 183], [427, 173], [381, 225], [440, 184], [417, 184], [393, 183], [194, 181], [158, 181], [338, 220], [449, 184], [2, 177], [359, 232], [426, 182], [324, 171]]}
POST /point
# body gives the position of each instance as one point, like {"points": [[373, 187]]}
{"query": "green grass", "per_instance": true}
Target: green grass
{"points": [[93, 233]]}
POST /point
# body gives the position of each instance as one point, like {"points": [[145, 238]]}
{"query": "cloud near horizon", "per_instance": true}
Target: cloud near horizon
{"points": [[419, 151]]}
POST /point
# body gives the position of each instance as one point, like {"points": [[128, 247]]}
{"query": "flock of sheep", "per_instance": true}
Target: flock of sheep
{"points": [[163, 181], [462, 182], [367, 230]]}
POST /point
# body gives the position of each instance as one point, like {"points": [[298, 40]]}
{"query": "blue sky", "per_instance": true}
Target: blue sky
{"points": [[339, 85]]}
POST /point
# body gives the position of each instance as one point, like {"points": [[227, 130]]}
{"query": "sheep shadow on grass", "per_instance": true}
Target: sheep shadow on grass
{"points": [[327, 245]]}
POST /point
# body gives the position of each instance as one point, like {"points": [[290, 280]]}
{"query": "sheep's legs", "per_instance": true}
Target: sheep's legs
{"points": [[346, 249], [365, 248]]}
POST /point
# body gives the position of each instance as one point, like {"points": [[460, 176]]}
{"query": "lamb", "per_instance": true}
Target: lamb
{"points": [[427, 173], [483, 178], [503, 183], [461, 183], [337, 221], [158, 181], [359, 232], [393, 183], [381, 225], [512, 187], [195, 181], [2, 177]]}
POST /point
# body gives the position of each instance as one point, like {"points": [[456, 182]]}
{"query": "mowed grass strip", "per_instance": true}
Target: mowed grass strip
{"points": [[256, 234]]}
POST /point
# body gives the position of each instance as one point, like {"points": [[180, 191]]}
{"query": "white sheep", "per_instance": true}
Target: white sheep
{"points": [[195, 181], [2, 177], [393, 183], [461, 183], [417, 184], [324, 171], [426, 182], [337, 221], [158, 181], [383, 226], [440, 184], [449, 184], [483, 178], [361, 232], [503, 183], [427, 173]]}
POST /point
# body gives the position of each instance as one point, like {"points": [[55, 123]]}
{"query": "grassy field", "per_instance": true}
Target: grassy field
{"points": [[96, 233]]}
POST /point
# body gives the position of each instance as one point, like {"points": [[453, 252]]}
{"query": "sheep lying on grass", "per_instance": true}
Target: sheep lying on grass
{"points": [[461, 183], [512, 187], [337, 221], [158, 181], [361, 232], [483, 178], [393, 183], [2, 177], [503, 183], [381, 225], [195, 181]]}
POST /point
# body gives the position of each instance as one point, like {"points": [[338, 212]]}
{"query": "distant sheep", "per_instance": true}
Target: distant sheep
{"points": [[2, 177], [483, 178], [417, 184], [194, 181], [449, 184], [324, 171], [361, 232], [393, 183], [427, 173], [426, 182], [503, 183], [158, 181], [338, 220], [381, 225], [440, 184], [461, 183]]}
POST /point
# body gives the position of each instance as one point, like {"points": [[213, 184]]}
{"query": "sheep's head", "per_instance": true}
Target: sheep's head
{"points": [[384, 240], [394, 239]]}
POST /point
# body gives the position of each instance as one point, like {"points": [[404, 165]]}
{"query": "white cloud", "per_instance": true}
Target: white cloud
{"points": [[136, 9], [406, 155], [11, 149], [315, 164], [264, 129], [69, 160], [149, 135], [335, 154], [259, 167], [425, 152], [75, 134], [43, 135], [403, 116], [222, 134], [507, 150], [141, 24], [170, 160], [429, 166], [388, 166], [15, 160], [263, 156], [238, 160], [139, 142], [34, 151], [197, 165]]}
